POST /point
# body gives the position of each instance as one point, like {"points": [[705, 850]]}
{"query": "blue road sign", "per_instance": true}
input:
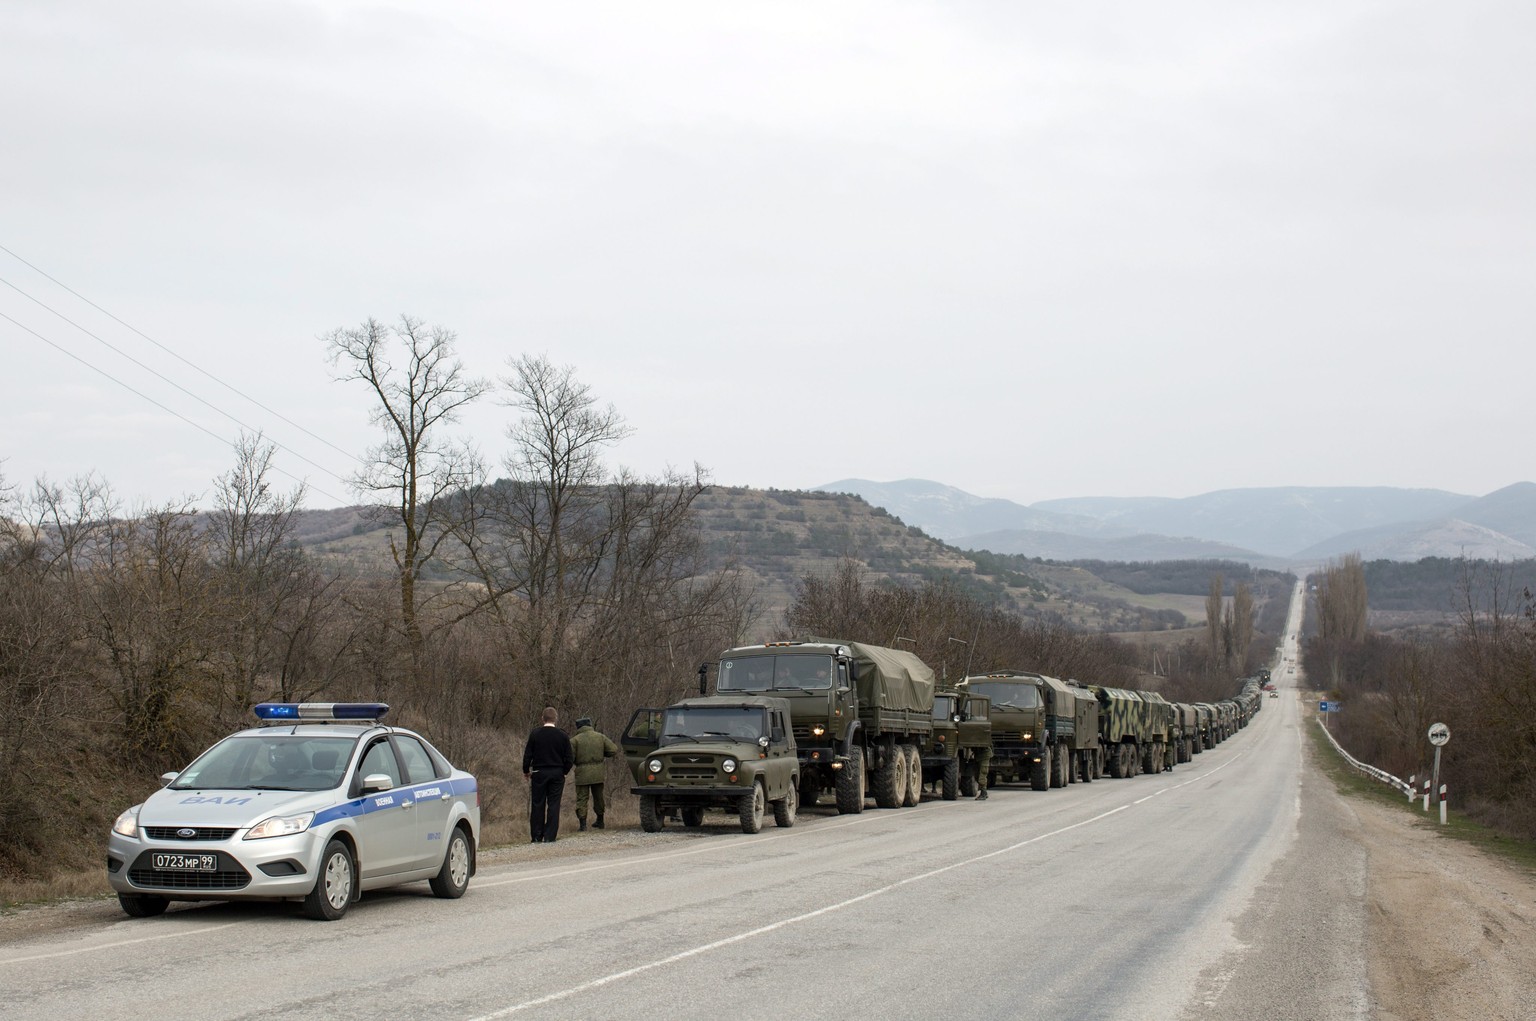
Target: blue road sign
{"points": [[1328, 707]]}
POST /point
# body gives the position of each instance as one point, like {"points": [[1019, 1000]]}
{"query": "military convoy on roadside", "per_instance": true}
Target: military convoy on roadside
{"points": [[792, 721]]}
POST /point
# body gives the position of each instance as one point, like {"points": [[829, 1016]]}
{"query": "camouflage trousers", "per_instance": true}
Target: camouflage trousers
{"points": [[582, 791], [983, 767]]}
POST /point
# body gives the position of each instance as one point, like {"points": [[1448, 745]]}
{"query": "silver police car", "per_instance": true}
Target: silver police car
{"points": [[319, 804]]}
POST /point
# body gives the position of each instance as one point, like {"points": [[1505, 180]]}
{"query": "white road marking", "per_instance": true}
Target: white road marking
{"points": [[119, 943], [775, 926]]}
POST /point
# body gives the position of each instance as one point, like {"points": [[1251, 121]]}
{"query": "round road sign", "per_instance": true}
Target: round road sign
{"points": [[1439, 734]]}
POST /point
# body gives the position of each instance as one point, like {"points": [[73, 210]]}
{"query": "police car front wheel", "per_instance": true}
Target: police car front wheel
{"points": [[333, 887], [142, 905]]}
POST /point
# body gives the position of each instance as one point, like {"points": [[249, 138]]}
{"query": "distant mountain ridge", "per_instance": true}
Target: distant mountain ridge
{"points": [[1258, 525]]}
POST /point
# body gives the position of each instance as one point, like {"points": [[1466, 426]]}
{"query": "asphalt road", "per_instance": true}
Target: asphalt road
{"points": [[1219, 889]]}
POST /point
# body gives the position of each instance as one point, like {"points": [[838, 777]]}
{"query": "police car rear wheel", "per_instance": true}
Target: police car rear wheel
{"points": [[332, 894], [453, 879], [137, 905]]}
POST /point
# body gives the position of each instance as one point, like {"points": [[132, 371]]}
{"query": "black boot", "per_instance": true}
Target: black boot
{"points": [[583, 827], [598, 822], [981, 795]]}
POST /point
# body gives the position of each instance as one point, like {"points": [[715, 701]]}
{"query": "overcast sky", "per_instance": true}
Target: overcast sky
{"points": [[1031, 250]]}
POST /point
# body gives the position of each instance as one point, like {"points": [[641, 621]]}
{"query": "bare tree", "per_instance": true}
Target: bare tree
{"points": [[1213, 620], [416, 466], [1242, 624], [278, 614]]}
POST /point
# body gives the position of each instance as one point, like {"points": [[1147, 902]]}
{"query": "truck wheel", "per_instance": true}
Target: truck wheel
{"points": [[1115, 760], [810, 790], [950, 786], [1058, 775], [650, 813], [1040, 773], [1085, 765], [850, 784], [914, 775], [787, 807], [891, 778], [693, 817], [750, 809], [1150, 763], [967, 783]]}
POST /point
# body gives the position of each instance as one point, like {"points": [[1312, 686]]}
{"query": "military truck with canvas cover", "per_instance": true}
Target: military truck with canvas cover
{"points": [[961, 728], [860, 714], [1044, 730], [735, 753]]}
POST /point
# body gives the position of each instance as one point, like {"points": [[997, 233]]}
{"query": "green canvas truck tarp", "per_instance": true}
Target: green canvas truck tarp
{"points": [[892, 679]]}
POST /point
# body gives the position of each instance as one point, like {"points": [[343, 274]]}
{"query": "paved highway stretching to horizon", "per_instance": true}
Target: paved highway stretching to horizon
{"points": [[1217, 889]]}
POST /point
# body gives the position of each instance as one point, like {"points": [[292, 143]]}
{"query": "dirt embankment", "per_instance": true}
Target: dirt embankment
{"points": [[1452, 929]]}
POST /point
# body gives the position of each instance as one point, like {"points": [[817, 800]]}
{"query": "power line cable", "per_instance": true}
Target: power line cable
{"points": [[173, 354], [169, 411], [112, 347]]}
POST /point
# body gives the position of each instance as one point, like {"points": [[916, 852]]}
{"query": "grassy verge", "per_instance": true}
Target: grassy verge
{"points": [[1520, 853]]}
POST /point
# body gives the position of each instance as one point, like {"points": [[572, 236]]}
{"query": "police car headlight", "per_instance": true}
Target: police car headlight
{"points": [[654, 765], [127, 824], [281, 826], [729, 765]]}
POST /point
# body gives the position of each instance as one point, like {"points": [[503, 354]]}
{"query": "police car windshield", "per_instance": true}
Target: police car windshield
{"points": [[269, 762], [705, 723], [775, 673], [1008, 694]]}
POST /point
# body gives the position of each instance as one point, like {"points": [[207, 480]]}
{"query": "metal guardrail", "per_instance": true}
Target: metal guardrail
{"points": [[1380, 774]]}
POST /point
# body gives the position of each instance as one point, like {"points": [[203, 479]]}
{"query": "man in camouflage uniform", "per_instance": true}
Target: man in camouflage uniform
{"points": [[983, 767], [590, 748]]}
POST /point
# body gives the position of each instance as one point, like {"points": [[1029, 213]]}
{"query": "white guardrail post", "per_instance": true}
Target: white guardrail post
{"points": [[1442, 804]]}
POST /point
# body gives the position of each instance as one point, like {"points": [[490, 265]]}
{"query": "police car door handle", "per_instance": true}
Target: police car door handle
{"points": [[407, 804]]}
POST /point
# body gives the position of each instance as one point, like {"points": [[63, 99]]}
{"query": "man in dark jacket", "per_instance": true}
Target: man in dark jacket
{"points": [[591, 747], [546, 760]]}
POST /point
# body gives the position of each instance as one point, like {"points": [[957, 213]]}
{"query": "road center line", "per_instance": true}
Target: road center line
{"points": [[775, 926]]}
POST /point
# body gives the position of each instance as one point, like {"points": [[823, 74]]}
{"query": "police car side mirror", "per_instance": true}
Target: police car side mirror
{"points": [[376, 782], [166, 778]]}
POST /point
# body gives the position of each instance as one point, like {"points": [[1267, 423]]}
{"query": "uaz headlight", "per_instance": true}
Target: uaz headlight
{"points": [[654, 765], [729, 765], [281, 826]]}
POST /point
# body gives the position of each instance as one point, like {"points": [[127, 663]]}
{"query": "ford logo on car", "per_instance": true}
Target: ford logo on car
{"points": [[186, 833]]}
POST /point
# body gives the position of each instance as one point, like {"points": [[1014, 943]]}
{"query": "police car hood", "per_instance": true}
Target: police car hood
{"points": [[232, 808]]}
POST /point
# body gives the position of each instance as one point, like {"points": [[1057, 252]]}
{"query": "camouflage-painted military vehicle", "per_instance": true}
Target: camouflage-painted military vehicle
{"points": [[735, 753], [860, 713], [961, 728], [1157, 750], [1044, 730], [1122, 729]]}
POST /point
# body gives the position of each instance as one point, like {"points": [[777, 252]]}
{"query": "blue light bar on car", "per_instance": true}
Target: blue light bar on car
{"points": [[321, 710]]}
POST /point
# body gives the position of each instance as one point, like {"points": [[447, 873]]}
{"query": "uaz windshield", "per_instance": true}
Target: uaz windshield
{"points": [[708, 723]]}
